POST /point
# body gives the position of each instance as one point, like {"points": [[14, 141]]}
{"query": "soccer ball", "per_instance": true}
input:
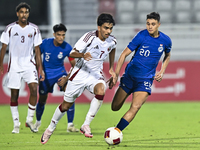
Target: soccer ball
{"points": [[113, 136]]}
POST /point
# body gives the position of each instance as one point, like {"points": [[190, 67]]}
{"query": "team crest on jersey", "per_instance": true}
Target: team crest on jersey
{"points": [[160, 49], [109, 48], [30, 35], [60, 55]]}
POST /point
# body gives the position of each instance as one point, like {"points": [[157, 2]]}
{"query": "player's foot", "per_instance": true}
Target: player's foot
{"points": [[46, 136], [72, 128], [16, 128], [37, 125], [85, 129], [31, 126]]}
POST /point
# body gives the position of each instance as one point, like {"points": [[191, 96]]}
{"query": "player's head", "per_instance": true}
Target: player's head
{"points": [[23, 10], [153, 23], [105, 24], [59, 33]]}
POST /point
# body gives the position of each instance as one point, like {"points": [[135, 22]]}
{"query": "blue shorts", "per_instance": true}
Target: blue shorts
{"points": [[131, 85], [47, 85]]}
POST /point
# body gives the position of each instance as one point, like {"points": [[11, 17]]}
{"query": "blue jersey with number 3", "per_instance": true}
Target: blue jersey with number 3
{"points": [[148, 51], [53, 57]]}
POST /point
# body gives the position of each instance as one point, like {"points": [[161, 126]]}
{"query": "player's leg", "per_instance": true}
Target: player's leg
{"points": [[13, 81], [119, 99], [39, 110], [138, 100], [14, 109], [31, 106], [58, 114], [99, 91], [70, 118]]}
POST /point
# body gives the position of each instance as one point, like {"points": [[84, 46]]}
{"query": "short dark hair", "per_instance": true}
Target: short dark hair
{"points": [[59, 27], [23, 5], [154, 15], [105, 18]]}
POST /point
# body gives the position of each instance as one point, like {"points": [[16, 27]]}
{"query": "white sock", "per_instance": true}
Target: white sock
{"points": [[56, 117], [94, 107], [31, 112], [15, 115], [70, 124]]}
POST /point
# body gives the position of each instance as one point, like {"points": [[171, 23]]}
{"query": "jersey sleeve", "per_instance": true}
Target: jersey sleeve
{"points": [[84, 41], [42, 46], [169, 46], [38, 37], [136, 41], [5, 36]]}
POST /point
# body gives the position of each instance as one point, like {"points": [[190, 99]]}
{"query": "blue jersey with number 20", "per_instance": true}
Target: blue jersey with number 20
{"points": [[148, 51]]}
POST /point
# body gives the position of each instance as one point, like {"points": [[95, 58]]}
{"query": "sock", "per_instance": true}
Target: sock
{"points": [[31, 112], [58, 114], [122, 124], [94, 107], [70, 114], [39, 110], [15, 113]]}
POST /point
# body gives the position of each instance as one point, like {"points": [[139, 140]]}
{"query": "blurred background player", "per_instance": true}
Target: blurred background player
{"points": [[21, 36], [92, 49], [149, 45], [54, 51]]}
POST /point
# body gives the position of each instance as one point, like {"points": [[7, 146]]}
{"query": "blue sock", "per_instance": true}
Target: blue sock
{"points": [[70, 113], [39, 110], [122, 124]]}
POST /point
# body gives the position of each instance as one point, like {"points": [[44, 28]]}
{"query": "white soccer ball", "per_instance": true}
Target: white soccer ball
{"points": [[113, 136]]}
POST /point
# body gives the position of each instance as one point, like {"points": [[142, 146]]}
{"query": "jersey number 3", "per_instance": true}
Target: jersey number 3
{"points": [[23, 39]]}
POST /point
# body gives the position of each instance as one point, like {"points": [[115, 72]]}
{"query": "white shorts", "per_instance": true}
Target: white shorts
{"points": [[83, 80], [13, 79]]}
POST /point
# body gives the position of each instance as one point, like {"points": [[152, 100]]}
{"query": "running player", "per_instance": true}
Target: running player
{"points": [[54, 51], [21, 36], [92, 49], [149, 45]]}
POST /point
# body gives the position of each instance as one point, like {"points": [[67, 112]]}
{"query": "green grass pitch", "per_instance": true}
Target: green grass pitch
{"points": [[157, 126]]}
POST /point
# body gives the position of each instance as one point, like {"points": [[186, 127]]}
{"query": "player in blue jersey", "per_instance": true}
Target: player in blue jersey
{"points": [[148, 45], [54, 51]]}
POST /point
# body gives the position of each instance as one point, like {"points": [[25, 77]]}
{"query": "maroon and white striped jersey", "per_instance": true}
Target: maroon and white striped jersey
{"points": [[21, 42], [99, 50]]}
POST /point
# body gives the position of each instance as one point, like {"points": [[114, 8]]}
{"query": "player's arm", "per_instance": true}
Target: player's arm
{"points": [[76, 54], [111, 70], [159, 76], [39, 63], [2, 54], [120, 62]]}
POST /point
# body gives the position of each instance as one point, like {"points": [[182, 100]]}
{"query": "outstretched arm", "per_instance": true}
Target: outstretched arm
{"points": [[39, 63], [2, 54], [120, 62], [75, 54], [159, 76]]}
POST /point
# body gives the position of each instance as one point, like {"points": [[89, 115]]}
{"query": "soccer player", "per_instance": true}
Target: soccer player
{"points": [[21, 37], [91, 49], [148, 45], [54, 51]]}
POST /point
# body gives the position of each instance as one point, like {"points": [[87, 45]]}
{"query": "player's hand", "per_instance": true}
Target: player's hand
{"points": [[110, 82], [159, 76], [42, 75], [61, 81], [1, 69], [87, 56]]}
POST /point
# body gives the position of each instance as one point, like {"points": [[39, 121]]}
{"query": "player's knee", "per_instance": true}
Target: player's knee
{"points": [[114, 107], [33, 91]]}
